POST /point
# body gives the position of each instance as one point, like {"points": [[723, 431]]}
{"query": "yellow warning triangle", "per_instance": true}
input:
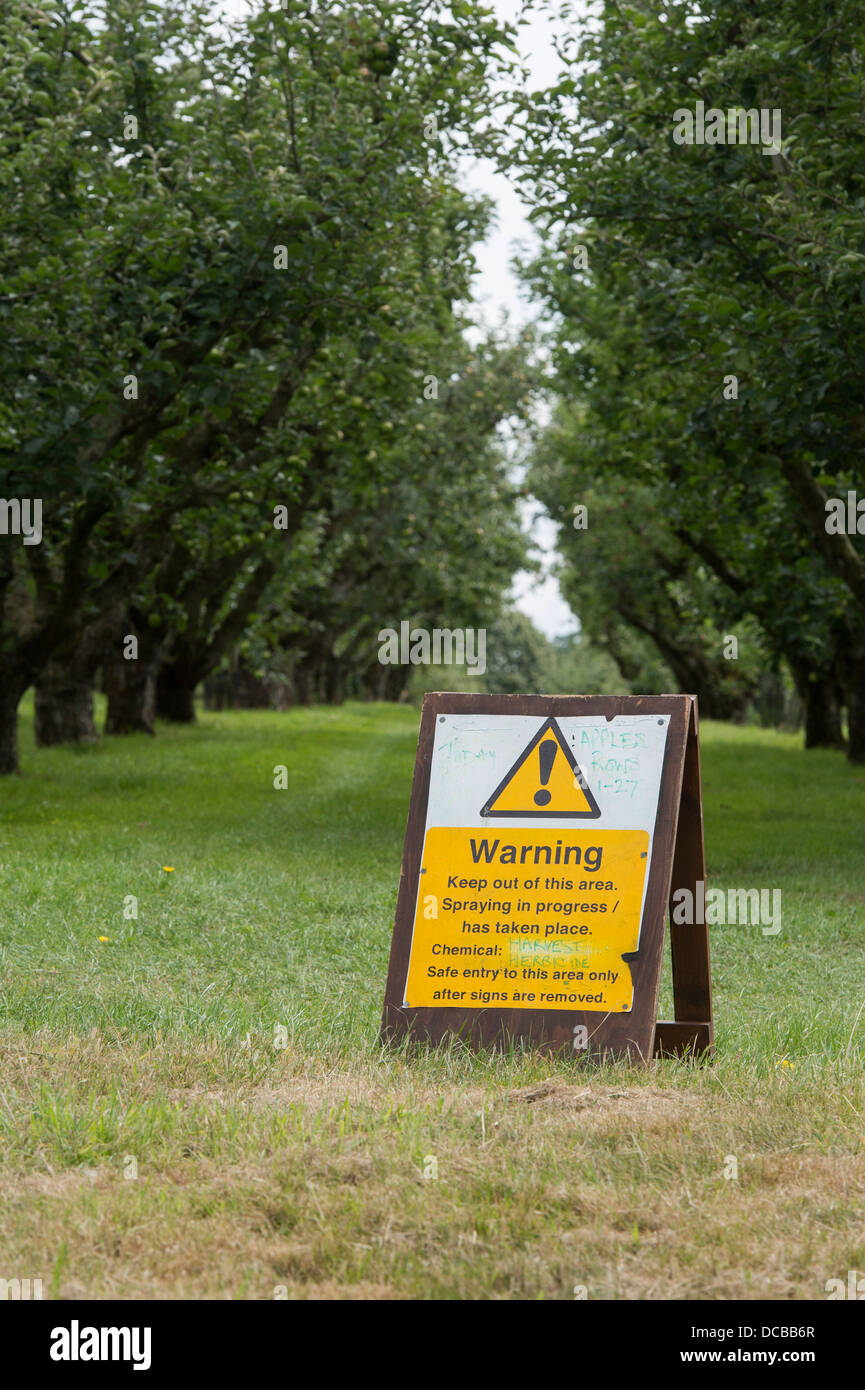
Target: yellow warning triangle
{"points": [[544, 782]]}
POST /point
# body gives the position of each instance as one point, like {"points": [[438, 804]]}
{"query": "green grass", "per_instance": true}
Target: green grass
{"points": [[226, 1040], [277, 906]]}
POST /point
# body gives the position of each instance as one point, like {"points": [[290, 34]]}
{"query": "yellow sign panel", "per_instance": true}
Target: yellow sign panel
{"points": [[527, 919], [545, 781]]}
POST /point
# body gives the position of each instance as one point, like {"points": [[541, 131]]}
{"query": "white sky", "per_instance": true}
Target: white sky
{"points": [[498, 294]]}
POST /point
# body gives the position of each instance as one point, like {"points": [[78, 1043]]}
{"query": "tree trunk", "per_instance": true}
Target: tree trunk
{"points": [[131, 690], [250, 691], [769, 699], [856, 723], [64, 687], [855, 693], [13, 683], [821, 697], [373, 681], [395, 681], [64, 704], [823, 716], [302, 683], [334, 680], [279, 692], [175, 694], [379, 688], [218, 694]]}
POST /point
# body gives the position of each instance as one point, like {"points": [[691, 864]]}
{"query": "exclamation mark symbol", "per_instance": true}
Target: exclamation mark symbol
{"points": [[547, 755]]}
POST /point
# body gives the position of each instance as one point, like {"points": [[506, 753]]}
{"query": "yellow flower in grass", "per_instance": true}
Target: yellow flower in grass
{"points": [[168, 868], [105, 938]]}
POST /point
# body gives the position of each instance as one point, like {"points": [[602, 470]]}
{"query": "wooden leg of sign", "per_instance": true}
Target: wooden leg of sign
{"points": [[693, 1029]]}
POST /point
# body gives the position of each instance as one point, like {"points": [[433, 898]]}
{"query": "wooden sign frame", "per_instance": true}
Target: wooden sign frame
{"points": [[677, 862]]}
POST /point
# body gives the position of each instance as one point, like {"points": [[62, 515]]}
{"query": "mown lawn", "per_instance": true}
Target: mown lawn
{"points": [[224, 1044]]}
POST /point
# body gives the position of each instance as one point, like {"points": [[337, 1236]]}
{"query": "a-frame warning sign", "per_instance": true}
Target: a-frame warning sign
{"points": [[545, 782], [537, 912]]}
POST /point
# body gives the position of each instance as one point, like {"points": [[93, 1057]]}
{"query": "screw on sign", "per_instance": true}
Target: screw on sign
{"points": [[548, 834]]}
